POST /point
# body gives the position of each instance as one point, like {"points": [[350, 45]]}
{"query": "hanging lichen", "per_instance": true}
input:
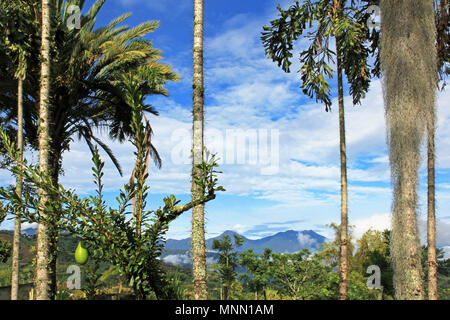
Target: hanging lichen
{"points": [[408, 62]]}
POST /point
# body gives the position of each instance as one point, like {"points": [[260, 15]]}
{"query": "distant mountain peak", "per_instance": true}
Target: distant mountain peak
{"points": [[289, 241], [229, 232], [30, 231]]}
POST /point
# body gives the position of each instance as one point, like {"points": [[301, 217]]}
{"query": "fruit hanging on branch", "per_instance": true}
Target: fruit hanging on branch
{"points": [[81, 254]]}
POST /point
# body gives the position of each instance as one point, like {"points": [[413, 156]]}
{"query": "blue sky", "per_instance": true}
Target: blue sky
{"points": [[245, 90]]}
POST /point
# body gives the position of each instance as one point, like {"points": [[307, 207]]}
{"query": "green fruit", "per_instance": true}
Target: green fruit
{"points": [[81, 254]]}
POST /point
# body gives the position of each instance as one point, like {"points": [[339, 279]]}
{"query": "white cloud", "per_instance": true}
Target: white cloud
{"points": [[239, 228], [442, 232], [177, 259], [379, 221], [175, 6], [210, 260], [382, 221], [305, 240], [446, 252], [381, 159], [28, 225]]}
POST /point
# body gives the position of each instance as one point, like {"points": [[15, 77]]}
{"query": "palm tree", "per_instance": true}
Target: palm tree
{"points": [[19, 183], [42, 246], [442, 25], [136, 85], [17, 23], [198, 214], [97, 100], [431, 209], [408, 63], [344, 23], [18, 43]]}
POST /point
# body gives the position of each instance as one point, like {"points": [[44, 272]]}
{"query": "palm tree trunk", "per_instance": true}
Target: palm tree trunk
{"points": [[225, 291], [42, 246], [119, 290], [408, 63], [198, 216], [53, 255], [55, 157], [343, 258], [431, 219], [431, 207], [19, 183], [441, 11]]}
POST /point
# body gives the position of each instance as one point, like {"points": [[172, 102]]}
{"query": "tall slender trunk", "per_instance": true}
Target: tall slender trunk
{"points": [[42, 246], [343, 257], [198, 215], [225, 291], [408, 63], [19, 183], [431, 130], [431, 219], [442, 13], [54, 161]]}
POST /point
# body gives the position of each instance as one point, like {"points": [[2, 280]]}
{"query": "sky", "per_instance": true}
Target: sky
{"points": [[287, 175]]}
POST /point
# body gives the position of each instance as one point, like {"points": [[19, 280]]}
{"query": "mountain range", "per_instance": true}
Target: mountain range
{"points": [[283, 242], [176, 252], [29, 231]]}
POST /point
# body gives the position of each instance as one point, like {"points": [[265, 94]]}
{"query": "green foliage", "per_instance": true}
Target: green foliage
{"points": [[176, 286], [5, 250], [2, 213], [228, 260], [330, 250], [5, 246], [443, 265], [443, 272], [357, 288], [375, 250], [258, 274], [92, 279], [370, 242], [20, 34], [443, 287], [301, 276]]}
